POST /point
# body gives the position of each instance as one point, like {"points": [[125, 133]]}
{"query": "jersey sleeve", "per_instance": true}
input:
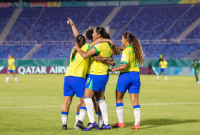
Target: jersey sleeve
{"points": [[98, 47], [125, 57], [166, 63]]}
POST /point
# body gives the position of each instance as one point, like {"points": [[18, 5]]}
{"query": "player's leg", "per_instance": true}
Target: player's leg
{"points": [[134, 91], [159, 74], [7, 77], [64, 111], [82, 114], [136, 107], [119, 109], [68, 94], [97, 112], [103, 107], [196, 76], [15, 76], [165, 75], [77, 115], [79, 91], [90, 108]]}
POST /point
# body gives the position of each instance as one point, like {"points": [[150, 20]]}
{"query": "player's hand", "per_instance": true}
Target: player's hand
{"points": [[112, 63], [111, 42], [70, 22], [97, 58], [109, 70]]}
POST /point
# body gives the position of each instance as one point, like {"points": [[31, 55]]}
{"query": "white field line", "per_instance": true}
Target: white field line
{"points": [[107, 104]]}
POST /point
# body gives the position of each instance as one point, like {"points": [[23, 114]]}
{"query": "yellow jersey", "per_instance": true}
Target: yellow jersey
{"points": [[163, 64], [90, 60], [97, 68], [11, 62], [78, 66], [128, 57]]}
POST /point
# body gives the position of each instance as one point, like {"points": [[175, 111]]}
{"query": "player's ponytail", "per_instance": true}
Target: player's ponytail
{"points": [[137, 48], [80, 39]]}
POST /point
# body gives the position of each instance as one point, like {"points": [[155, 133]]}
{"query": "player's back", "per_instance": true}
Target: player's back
{"points": [[78, 66], [98, 68]]}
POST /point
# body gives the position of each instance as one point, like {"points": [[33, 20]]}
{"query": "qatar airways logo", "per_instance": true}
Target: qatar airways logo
{"points": [[42, 70]]}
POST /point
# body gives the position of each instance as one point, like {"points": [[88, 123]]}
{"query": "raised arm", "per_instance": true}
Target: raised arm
{"points": [[85, 54], [75, 31]]}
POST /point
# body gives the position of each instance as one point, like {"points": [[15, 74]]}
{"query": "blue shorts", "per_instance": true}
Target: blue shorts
{"points": [[130, 81], [162, 70], [74, 85], [11, 71], [96, 82]]}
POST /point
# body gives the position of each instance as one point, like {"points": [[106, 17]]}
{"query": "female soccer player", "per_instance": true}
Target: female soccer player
{"points": [[75, 74], [163, 66], [97, 79], [196, 65], [11, 68], [129, 78]]}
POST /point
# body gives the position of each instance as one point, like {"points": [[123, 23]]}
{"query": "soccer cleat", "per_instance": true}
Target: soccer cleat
{"points": [[64, 127], [197, 82], [80, 124], [120, 125], [99, 127], [137, 127], [90, 126], [106, 127]]}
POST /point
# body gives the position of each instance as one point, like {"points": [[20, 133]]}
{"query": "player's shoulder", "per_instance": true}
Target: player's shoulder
{"points": [[85, 46]]}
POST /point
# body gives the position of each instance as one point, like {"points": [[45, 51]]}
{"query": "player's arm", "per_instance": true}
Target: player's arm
{"points": [[121, 48], [115, 49], [100, 40], [122, 67], [85, 54], [75, 31], [108, 60]]}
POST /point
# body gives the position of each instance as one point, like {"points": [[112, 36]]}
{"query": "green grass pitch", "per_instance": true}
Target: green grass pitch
{"points": [[32, 106]]}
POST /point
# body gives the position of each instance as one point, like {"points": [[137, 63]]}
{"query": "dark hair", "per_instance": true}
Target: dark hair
{"points": [[102, 32], [88, 34], [12, 56], [80, 39], [137, 48]]}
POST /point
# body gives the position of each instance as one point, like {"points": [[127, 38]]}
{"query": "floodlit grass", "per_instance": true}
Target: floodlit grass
{"points": [[32, 106]]}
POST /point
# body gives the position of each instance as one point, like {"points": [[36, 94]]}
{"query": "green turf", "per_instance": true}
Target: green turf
{"points": [[35, 103]]}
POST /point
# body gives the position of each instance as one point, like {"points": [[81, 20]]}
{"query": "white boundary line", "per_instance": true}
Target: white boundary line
{"points": [[107, 104]]}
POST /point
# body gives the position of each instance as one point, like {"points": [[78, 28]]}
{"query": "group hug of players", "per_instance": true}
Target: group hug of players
{"points": [[88, 74]]}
